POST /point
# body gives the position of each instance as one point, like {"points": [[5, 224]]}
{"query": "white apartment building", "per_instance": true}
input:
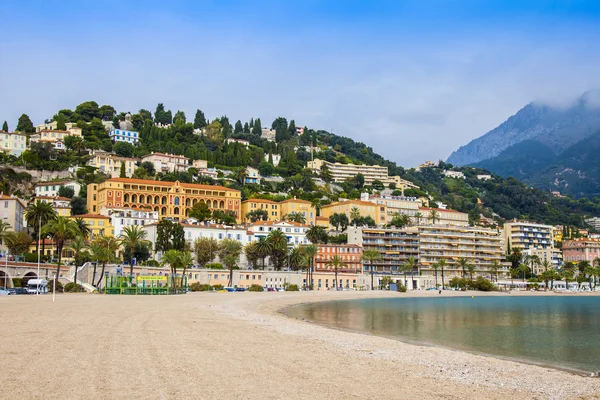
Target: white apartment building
{"points": [[51, 188], [594, 222], [252, 175], [13, 143], [203, 170], [121, 135], [454, 174], [276, 159], [484, 177], [295, 232], [168, 162], [243, 142], [122, 217]]}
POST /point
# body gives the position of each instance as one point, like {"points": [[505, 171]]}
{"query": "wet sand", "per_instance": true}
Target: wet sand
{"points": [[239, 345]]}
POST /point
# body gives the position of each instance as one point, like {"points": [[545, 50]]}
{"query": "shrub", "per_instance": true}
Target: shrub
{"points": [[152, 263], [460, 283], [17, 282], [213, 266], [482, 284], [30, 257], [255, 288], [199, 287], [292, 288], [59, 286], [73, 287], [401, 287], [217, 287]]}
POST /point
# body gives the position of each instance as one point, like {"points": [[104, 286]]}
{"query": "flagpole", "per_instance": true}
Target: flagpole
{"points": [[39, 249]]}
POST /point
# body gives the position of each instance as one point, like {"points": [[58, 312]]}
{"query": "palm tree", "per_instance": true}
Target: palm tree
{"points": [[336, 262], [355, 215], [462, 263], [37, 215], [409, 265], [310, 251], [417, 217], [83, 227], [296, 258], [434, 215], [442, 263], [4, 230], [435, 267], [514, 256], [185, 260], [61, 229], [132, 236], [523, 268], [279, 244], [79, 248], [17, 242], [252, 254], [110, 245], [494, 268], [264, 247], [229, 252], [532, 260], [590, 271], [370, 256], [546, 265], [295, 217], [316, 203], [316, 234], [172, 258], [471, 268], [400, 220]]}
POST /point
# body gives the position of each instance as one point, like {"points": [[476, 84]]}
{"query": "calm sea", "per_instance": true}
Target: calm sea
{"points": [[562, 332]]}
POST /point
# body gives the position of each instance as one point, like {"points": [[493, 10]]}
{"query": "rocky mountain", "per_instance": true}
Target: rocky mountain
{"points": [[557, 128]]}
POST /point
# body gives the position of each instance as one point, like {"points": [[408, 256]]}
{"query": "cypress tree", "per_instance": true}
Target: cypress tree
{"points": [[5, 126]]}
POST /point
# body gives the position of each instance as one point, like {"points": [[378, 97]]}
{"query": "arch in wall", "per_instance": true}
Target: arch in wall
{"points": [[126, 197], [163, 201], [163, 211], [142, 198], [156, 199], [187, 202], [222, 204], [176, 211], [176, 201], [134, 198]]}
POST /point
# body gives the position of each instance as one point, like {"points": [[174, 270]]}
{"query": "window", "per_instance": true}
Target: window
{"points": [[6, 204]]}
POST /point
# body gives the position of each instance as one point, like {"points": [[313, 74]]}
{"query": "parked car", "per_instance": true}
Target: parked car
{"points": [[19, 290], [270, 289], [240, 289], [4, 292]]}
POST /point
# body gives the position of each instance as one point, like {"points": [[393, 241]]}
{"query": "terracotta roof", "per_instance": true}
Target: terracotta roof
{"points": [[54, 130], [60, 182], [89, 216], [260, 201], [440, 210], [296, 201], [165, 183], [165, 155], [364, 203], [271, 223], [339, 245]]}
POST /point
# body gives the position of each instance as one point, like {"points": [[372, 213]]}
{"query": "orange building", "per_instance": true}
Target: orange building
{"points": [[169, 199], [351, 255]]}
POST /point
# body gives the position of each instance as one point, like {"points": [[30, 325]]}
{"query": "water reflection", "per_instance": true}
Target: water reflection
{"points": [[559, 331]]}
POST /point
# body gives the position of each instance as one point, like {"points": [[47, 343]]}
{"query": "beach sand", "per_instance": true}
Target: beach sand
{"points": [[239, 346]]}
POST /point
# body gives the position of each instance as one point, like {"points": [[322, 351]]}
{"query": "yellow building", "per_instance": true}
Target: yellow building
{"points": [[271, 207], [299, 206], [99, 224], [61, 205], [169, 199], [367, 209], [443, 216], [111, 164]]}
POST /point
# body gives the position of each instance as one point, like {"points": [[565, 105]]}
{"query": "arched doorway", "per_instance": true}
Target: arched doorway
{"points": [[27, 277]]}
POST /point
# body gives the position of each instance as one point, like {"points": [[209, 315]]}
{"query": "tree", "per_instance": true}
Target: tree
{"points": [[226, 217], [88, 110], [149, 167], [78, 206], [25, 125], [310, 251], [141, 253], [17, 242], [296, 259], [377, 185], [176, 259], [471, 268], [279, 244], [435, 266], [106, 112], [179, 117], [131, 236], [82, 228], [199, 120], [434, 215], [122, 171], [238, 127], [354, 215], [295, 217], [336, 263], [169, 236], [266, 169], [417, 217], [370, 256], [66, 191], [79, 249], [568, 272], [524, 269], [252, 254], [316, 234], [442, 264], [123, 149], [205, 250], [263, 247], [257, 215], [37, 215], [339, 220], [409, 266], [229, 253], [4, 230], [462, 263], [257, 128], [400, 220], [514, 256], [61, 229], [200, 211], [5, 126], [495, 267]]}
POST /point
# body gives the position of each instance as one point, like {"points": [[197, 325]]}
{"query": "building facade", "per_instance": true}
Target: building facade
{"points": [[13, 143], [367, 209], [395, 204], [62, 205], [252, 176], [121, 135], [350, 255], [50, 189], [167, 162], [301, 207], [56, 137], [122, 217], [443, 216], [111, 164], [170, 199], [271, 207], [577, 250], [203, 170], [12, 212], [99, 224], [294, 232], [528, 235]]}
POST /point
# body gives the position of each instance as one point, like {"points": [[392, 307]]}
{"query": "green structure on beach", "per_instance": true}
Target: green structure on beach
{"points": [[145, 284]]}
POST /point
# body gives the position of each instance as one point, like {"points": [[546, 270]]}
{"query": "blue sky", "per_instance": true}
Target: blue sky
{"points": [[412, 79]]}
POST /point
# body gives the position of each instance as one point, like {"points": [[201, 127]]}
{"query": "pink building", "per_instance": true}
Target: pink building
{"points": [[581, 249]]}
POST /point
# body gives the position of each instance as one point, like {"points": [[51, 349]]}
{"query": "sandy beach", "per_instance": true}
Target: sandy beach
{"points": [[239, 345]]}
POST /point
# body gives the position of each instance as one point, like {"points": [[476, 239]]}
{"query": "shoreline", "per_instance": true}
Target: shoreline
{"points": [[240, 345], [578, 372]]}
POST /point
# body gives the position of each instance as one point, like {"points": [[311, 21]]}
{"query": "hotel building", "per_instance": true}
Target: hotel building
{"points": [[341, 172], [366, 209], [12, 211], [169, 199], [577, 250], [350, 254]]}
